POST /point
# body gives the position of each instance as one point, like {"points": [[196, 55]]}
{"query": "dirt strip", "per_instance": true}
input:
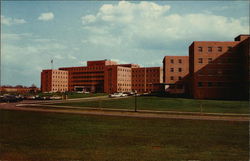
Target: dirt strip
{"points": [[139, 114]]}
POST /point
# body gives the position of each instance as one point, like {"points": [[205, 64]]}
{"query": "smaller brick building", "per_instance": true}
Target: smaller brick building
{"points": [[147, 79], [117, 79], [54, 80], [175, 74]]}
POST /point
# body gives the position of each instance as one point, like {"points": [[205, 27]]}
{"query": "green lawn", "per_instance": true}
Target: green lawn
{"points": [[169, 104], [47, 136], [74, 95]]}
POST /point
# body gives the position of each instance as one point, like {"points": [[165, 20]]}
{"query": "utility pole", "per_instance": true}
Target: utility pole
{"points": [[135, 101], [52, 67]]}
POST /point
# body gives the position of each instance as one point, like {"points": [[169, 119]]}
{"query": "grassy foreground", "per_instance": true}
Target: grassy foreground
{"points": [[169, 104], [72, 95], [47, 136]]}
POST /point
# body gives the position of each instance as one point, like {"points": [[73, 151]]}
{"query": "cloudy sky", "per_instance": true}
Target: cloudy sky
{"points": [[73, 32]]}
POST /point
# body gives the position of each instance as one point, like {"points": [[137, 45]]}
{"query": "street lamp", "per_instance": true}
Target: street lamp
{"points": [[135, 101]]}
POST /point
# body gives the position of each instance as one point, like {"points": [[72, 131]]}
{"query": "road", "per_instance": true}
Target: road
{"points": [[121, 112]]}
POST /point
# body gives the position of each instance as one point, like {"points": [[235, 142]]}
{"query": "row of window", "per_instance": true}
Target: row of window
{"points": [[147, 80], [123, 75], [84, 68], [62, 77], [218, 72], [61, 72], [147, 70], [211, 49], [123, 80], [59, 85], [97, 72], [61, 90], [200, 60], [98, 81], [173, 78], [124, 70], [123, 90], [97, 76], [119, 84], [215, 84], [172, 69], [142, 85], [172, 61], [151, 75], [218, 61]]}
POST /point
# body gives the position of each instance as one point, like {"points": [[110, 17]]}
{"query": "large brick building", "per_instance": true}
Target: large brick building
{"points": [[105, 76], [219, 69], [213, 70]]}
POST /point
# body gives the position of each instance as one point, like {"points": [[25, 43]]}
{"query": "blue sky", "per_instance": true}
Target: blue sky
{"points": [[142, 32]]}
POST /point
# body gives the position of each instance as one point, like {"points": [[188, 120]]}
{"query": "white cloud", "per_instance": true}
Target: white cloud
{"points": [[148, 25], [11, 21], [46, 16], [13, 36]]}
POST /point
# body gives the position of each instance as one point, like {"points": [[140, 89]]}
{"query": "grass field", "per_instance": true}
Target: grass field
{"points": [[47, 136], [72, 95], [170, 104]]}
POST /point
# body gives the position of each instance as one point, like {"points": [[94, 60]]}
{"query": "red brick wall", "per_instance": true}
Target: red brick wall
{"points": [[146, 80]]}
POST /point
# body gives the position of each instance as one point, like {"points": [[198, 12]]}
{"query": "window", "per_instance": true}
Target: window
{"points": [[171, 78], [200, 84], [180, 69], [200, 49], [219, 84], [209, 49], [179, 86], [220, 49], [200, 60], [180, 61], [210, 60], [210, 84], [172, 61], [179, 78], [219, 72], [171, 69]]}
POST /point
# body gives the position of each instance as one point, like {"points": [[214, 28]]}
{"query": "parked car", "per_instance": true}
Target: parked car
{"points": [[30, 97], [129, 93], [9, 98], [124, 95], [118, 95], [115, 95]]}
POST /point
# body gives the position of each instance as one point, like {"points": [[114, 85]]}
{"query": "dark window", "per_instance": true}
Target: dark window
{"points": [[200, 84], [180, 69], [180, 61], [179, 86], [209, 49], [179, 78], [210, 60], [210, 84], [171, 69], [172, 78], [219, 84], [200, 60], [200, 49], [220, 49], [172, 61]]}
